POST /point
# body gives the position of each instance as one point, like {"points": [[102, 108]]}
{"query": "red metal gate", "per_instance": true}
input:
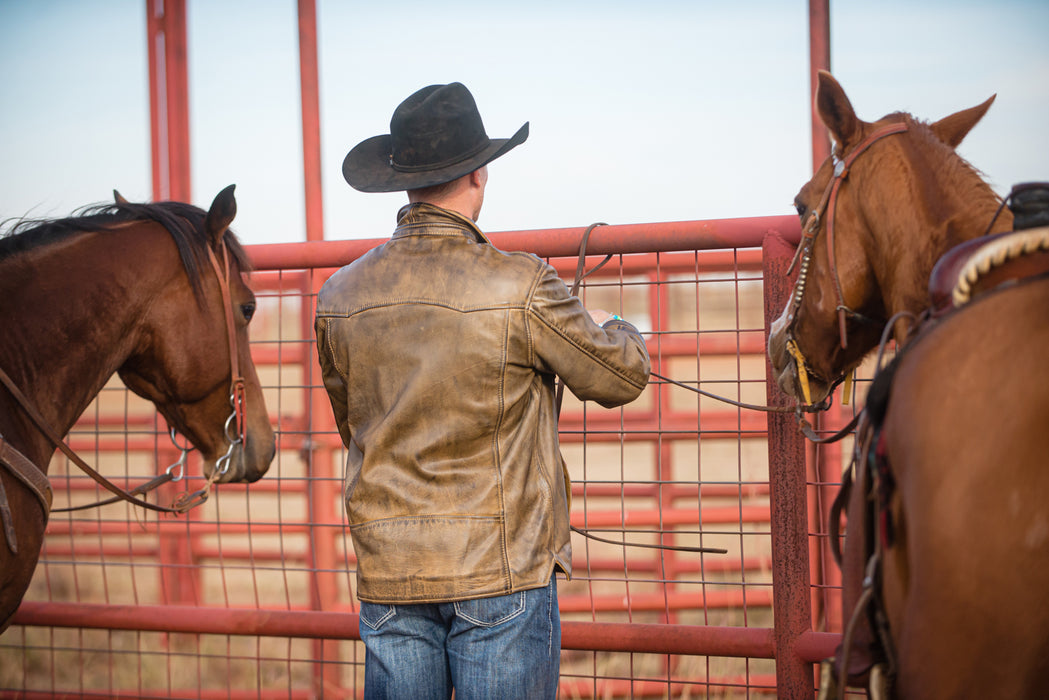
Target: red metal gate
{"points": [[252, 594]]}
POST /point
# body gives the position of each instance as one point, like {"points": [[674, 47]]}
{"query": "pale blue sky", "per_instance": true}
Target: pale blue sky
{"points": [[661, 110]]}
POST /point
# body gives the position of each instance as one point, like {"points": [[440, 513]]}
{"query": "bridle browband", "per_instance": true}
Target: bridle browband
{"points": [[35, 478], [827, 205]]}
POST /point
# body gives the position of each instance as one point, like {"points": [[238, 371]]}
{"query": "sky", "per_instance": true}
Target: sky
{"points": [[639, 111]]}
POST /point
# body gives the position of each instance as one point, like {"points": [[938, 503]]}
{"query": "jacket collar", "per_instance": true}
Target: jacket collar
{"points": [[423, 219]]}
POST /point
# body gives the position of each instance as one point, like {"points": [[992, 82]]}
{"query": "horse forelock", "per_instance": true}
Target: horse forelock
{"points": [[184, 222]]}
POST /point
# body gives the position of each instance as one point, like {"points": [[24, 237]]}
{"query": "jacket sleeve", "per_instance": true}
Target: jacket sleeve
{"points": [[334, 378], [608, 364]]}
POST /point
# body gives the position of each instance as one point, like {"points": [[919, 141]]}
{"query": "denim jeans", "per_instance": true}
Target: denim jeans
{"points": [[502, 648]]}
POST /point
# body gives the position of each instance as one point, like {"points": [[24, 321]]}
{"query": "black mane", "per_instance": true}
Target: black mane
{"points": [[185, 223]]}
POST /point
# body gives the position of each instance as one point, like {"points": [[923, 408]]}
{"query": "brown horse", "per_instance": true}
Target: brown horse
{"points": [[133, 289], [961, 525], [901, 197], [964, 577]]}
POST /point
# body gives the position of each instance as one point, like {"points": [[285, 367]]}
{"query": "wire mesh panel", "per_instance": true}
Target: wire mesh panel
{"points": [[674, 469], [252, 593]]}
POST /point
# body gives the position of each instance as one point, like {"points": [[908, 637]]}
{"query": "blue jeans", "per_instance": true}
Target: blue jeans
{"points": [[503, 647]]}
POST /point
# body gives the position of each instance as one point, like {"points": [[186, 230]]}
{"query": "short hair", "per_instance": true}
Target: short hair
{"points": [[433, 192]]}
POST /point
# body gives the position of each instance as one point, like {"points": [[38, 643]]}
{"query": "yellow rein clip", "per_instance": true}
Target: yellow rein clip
{"points": [[803, 374], [847, 388]]}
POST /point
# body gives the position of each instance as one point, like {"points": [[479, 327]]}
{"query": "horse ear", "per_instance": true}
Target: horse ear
{"points": [[119, 198], [835, 110], [951, 130], [220, 215]]}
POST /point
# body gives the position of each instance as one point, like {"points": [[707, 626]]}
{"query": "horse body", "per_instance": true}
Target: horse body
{"points": [[965, 438], [113, 294], [964, 572]]}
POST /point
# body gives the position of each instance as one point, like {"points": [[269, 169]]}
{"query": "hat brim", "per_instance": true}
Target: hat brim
{"points": [[367, 166]]}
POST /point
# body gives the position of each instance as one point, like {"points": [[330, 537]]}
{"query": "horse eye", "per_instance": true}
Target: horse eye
{"points": [[248, 310], [800, 207]]}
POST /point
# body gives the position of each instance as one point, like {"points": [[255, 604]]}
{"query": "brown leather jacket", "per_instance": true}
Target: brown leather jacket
{"points": [[439, 353]]}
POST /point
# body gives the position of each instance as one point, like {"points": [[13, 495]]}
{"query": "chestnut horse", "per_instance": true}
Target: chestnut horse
{"points": [[152, 292], [963, 530], [902, 198]]}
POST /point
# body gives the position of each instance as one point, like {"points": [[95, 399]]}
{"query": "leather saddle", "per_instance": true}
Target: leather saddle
{"points": [[990, 262]]}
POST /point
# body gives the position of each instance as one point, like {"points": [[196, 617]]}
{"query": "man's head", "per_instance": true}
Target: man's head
{"points": [[436, 136], [464, 194]]}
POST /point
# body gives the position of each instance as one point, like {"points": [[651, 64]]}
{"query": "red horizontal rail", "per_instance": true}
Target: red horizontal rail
{"points": [[290, 280], [592, 519], [58, 546], [752, 685], [552, 243], [694, 640], [662, 602], [670, 517]]}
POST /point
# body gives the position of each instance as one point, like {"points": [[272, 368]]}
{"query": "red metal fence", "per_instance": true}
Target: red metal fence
{"points": [[251, 595]]}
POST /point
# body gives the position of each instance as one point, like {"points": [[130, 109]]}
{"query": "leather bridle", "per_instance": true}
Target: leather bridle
{"points": [[35, 478], [237, 417], [827, 206]]}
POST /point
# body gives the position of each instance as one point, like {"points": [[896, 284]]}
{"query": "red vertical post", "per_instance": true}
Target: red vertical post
{"points": [[664, 561], [169, 99], [791, 604], [819, 59], [828, 468], [311, 127], [321, 494]]}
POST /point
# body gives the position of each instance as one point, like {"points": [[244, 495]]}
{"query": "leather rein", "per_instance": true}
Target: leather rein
{"points": [[827, 205], [35, 478]]}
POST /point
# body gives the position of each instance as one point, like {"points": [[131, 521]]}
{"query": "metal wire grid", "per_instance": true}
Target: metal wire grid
{"points": [[671, 468]]}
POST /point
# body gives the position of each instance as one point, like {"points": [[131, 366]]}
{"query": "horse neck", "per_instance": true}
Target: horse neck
{"points": [[75, 305], [941, 202]]}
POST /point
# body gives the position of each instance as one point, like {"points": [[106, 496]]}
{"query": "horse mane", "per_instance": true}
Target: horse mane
{"points": [[954, 171], [185, 223]]}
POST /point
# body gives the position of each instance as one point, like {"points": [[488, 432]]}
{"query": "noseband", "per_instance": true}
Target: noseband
{"points": [[827, 205]]}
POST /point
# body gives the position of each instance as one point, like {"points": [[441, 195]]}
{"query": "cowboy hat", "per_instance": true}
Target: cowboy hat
{"points": [[436, 136]]}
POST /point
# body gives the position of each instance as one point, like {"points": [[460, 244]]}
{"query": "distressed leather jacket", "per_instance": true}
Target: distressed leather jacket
{"points": [[439, 354]]}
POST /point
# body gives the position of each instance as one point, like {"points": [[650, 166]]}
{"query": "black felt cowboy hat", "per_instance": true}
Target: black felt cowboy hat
{"points": [[436, 136]]}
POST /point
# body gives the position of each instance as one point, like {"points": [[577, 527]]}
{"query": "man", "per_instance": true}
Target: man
{"points": [[439, 354]]}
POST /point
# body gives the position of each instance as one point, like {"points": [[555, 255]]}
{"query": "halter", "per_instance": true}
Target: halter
{"points": [[36, 480], [827, 205]]}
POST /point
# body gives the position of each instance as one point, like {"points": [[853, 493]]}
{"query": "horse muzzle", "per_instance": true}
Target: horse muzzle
{"points": [[243, 463], [790, 370]]}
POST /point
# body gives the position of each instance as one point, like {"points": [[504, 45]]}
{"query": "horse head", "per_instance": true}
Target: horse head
{"points": [[893, 196], [194, 362]]}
